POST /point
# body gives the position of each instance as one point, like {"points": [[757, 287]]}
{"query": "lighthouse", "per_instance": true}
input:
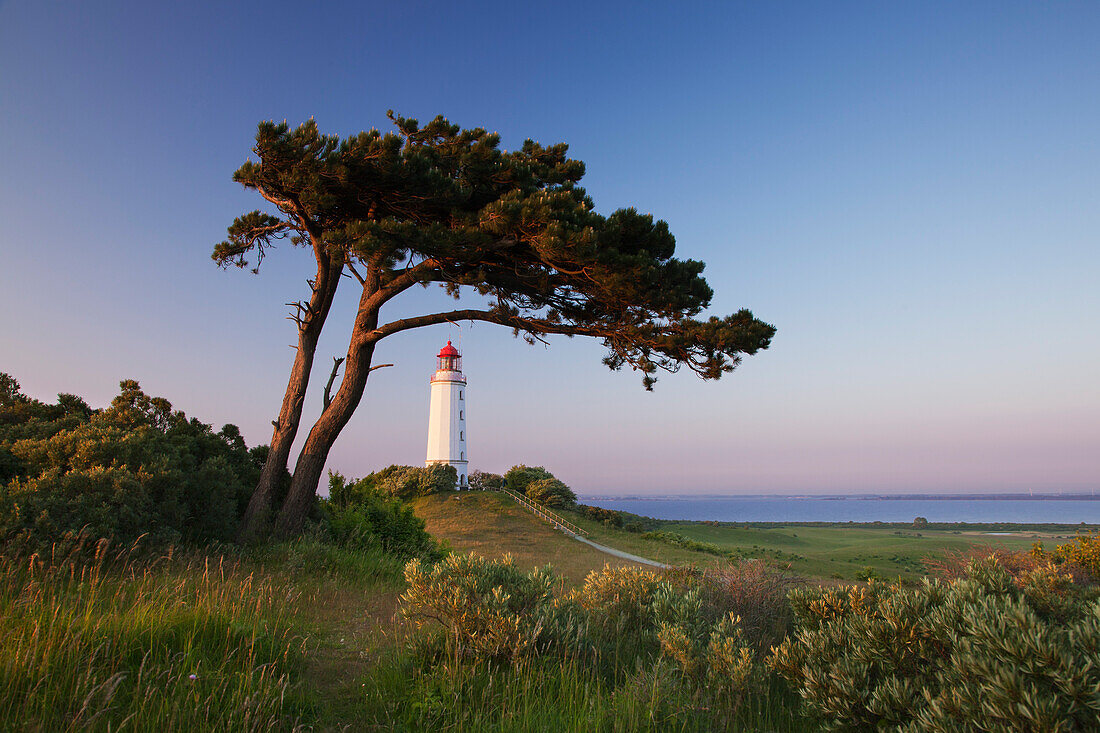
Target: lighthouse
{"points": [[447, 416]]}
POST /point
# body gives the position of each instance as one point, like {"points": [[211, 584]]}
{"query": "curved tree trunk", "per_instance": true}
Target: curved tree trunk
{"points": [[311, 462], [257, 517]]}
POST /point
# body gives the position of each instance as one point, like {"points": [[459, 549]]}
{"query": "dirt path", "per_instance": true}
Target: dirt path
{"points": [[619, 553]]}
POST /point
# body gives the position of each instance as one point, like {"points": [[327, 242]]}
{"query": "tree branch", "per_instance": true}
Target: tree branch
{"points": [[531, 325], [332, 378]]}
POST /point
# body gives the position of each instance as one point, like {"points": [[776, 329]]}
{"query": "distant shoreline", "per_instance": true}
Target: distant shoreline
{"points": [[842, 497]]}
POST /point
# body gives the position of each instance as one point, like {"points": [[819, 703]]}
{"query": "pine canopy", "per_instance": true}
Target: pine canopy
{"points": [[437, 204]]}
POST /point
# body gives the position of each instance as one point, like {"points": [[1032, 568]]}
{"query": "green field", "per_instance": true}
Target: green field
{"points": [[842, 552], [492, 524], [831, 551]]}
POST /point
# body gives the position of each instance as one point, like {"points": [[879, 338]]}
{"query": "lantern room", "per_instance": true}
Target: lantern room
{"points": [[449, 359]]}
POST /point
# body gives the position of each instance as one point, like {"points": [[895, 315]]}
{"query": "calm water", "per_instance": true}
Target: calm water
{"points": [[788, 509]]}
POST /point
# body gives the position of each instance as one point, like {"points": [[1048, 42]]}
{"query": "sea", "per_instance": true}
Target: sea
{"points": [[1020, 510]]}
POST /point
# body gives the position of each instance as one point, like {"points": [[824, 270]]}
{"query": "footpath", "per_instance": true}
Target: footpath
{"points": [[567, 527], [619, 553]]}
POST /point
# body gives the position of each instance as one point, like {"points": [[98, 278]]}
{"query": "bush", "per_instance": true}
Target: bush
{"points": [[518, 478], [1083, 552], [986, 651], [679, 540], [749, 590], [617, 606], [608, 517], [359, 516], [488, 608], [551, 493], [621, 617], [483, 481], [135, 468], [409, 482]]}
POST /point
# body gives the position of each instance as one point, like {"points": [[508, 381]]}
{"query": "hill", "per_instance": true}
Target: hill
{"points": [[493, 525]]}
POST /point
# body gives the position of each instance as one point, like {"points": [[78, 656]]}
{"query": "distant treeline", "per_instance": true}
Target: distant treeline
{"points": [[946, 526]]}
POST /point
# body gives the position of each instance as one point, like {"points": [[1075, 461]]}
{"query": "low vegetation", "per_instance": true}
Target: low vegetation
{"points": [[655, 650], [988, 650], [114, 643], [124, 607], [540, 486]]}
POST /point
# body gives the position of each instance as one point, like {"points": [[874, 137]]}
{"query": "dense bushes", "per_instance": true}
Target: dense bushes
{"points": [[484, 481], [517, 478], [682, 628], [539, 485], [551, 492], [358, 515], [988, 651], [135, 468], [607, 517], [1083, 552], [400, 482], [487, 608]]}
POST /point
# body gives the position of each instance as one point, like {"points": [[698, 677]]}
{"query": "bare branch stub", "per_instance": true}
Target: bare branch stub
{"points": [[336, 362]]}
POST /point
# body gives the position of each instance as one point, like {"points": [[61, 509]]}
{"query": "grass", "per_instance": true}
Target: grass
{"points": [[554, 696], [172, 645], [493, 525], [205, 642], [821, 551], [846, 553], [304, 635]]}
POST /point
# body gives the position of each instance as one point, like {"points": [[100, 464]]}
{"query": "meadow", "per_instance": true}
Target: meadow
{"points": [[308, 635]]}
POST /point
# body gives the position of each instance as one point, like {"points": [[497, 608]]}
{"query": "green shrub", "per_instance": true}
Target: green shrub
{"points": [[551, 492], [608, 517], [986, 651], [1083, 551], [679, 540], [135, 468], [401, 482], [717, 663], [617, 606], [488, 608], [518, 478], [868, 573], [483, 481], [359, 516]]}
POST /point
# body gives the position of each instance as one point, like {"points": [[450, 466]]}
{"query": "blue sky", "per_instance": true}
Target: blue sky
{"points": [[910, 192]]}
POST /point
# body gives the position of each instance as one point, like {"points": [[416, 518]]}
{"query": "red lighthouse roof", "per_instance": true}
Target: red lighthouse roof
{"points": [[448, 350]]}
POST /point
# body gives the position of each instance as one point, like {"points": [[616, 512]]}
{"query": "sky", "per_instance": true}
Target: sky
{"points": [[909, 192]]}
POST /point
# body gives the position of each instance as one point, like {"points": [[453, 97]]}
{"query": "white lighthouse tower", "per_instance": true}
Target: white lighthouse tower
{"points": [[447, 417]]}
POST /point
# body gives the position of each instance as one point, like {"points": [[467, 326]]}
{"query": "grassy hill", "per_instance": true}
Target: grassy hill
{"points": [[493, 525]]}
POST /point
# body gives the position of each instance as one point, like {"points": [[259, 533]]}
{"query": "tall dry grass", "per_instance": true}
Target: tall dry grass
{"points": [[117, 642]]}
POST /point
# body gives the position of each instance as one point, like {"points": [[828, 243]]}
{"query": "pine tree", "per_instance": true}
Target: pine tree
{"points": [[437, 204]]}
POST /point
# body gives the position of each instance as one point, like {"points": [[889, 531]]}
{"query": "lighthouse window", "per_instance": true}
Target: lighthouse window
{"points": [[462, 435], [460, 414], [460, 394], [462, 456]]}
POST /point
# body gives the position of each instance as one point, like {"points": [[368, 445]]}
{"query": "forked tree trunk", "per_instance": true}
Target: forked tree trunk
{"points": [[258, 516], [311, 462]]}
